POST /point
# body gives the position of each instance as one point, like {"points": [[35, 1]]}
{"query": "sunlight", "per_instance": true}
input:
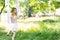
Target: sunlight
{"points": [[27, 26]]}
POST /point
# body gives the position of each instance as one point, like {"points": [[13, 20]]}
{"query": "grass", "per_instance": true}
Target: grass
{"points": [[48, 30], [44, 35]]}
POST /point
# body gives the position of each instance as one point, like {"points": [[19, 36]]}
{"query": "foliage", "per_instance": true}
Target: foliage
{"points": [[49, 20], [57, 4], [36, 5], [2, 2]]}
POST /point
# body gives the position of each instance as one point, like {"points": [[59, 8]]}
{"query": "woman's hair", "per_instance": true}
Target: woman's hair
{"points": [[13, 10]]}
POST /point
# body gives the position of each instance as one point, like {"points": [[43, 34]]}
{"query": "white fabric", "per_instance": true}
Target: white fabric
{"points": [[13, 26]]}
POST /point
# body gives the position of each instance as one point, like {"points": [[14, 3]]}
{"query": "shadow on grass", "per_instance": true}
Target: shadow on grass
{"points": [[44, 35], [3, 36]]}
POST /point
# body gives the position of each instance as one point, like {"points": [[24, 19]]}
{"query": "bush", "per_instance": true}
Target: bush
{"points": [[49, 21]]}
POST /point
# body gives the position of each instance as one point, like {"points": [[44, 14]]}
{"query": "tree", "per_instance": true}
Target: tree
{"points": [[2, 3], [26, 5]]}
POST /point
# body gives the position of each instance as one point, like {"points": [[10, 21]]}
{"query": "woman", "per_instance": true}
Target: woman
{"points": [[13, 23]]}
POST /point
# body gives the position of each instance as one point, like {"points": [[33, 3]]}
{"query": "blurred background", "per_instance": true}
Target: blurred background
{"points": [[38, 19]]}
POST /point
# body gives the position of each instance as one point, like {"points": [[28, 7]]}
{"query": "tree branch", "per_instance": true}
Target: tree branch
{"points": [[2, 9]]}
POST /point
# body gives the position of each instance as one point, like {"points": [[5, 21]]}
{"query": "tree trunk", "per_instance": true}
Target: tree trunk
{"points": [[1, 11]]}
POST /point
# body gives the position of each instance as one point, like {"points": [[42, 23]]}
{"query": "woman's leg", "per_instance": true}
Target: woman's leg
{"points": [[8, 33], [14, 33]]}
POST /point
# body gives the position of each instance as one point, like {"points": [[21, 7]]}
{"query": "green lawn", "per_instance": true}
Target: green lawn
{"points": [[48, 30]]}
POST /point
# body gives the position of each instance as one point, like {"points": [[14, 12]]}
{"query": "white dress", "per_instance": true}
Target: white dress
{"points": [[13, 26]]}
